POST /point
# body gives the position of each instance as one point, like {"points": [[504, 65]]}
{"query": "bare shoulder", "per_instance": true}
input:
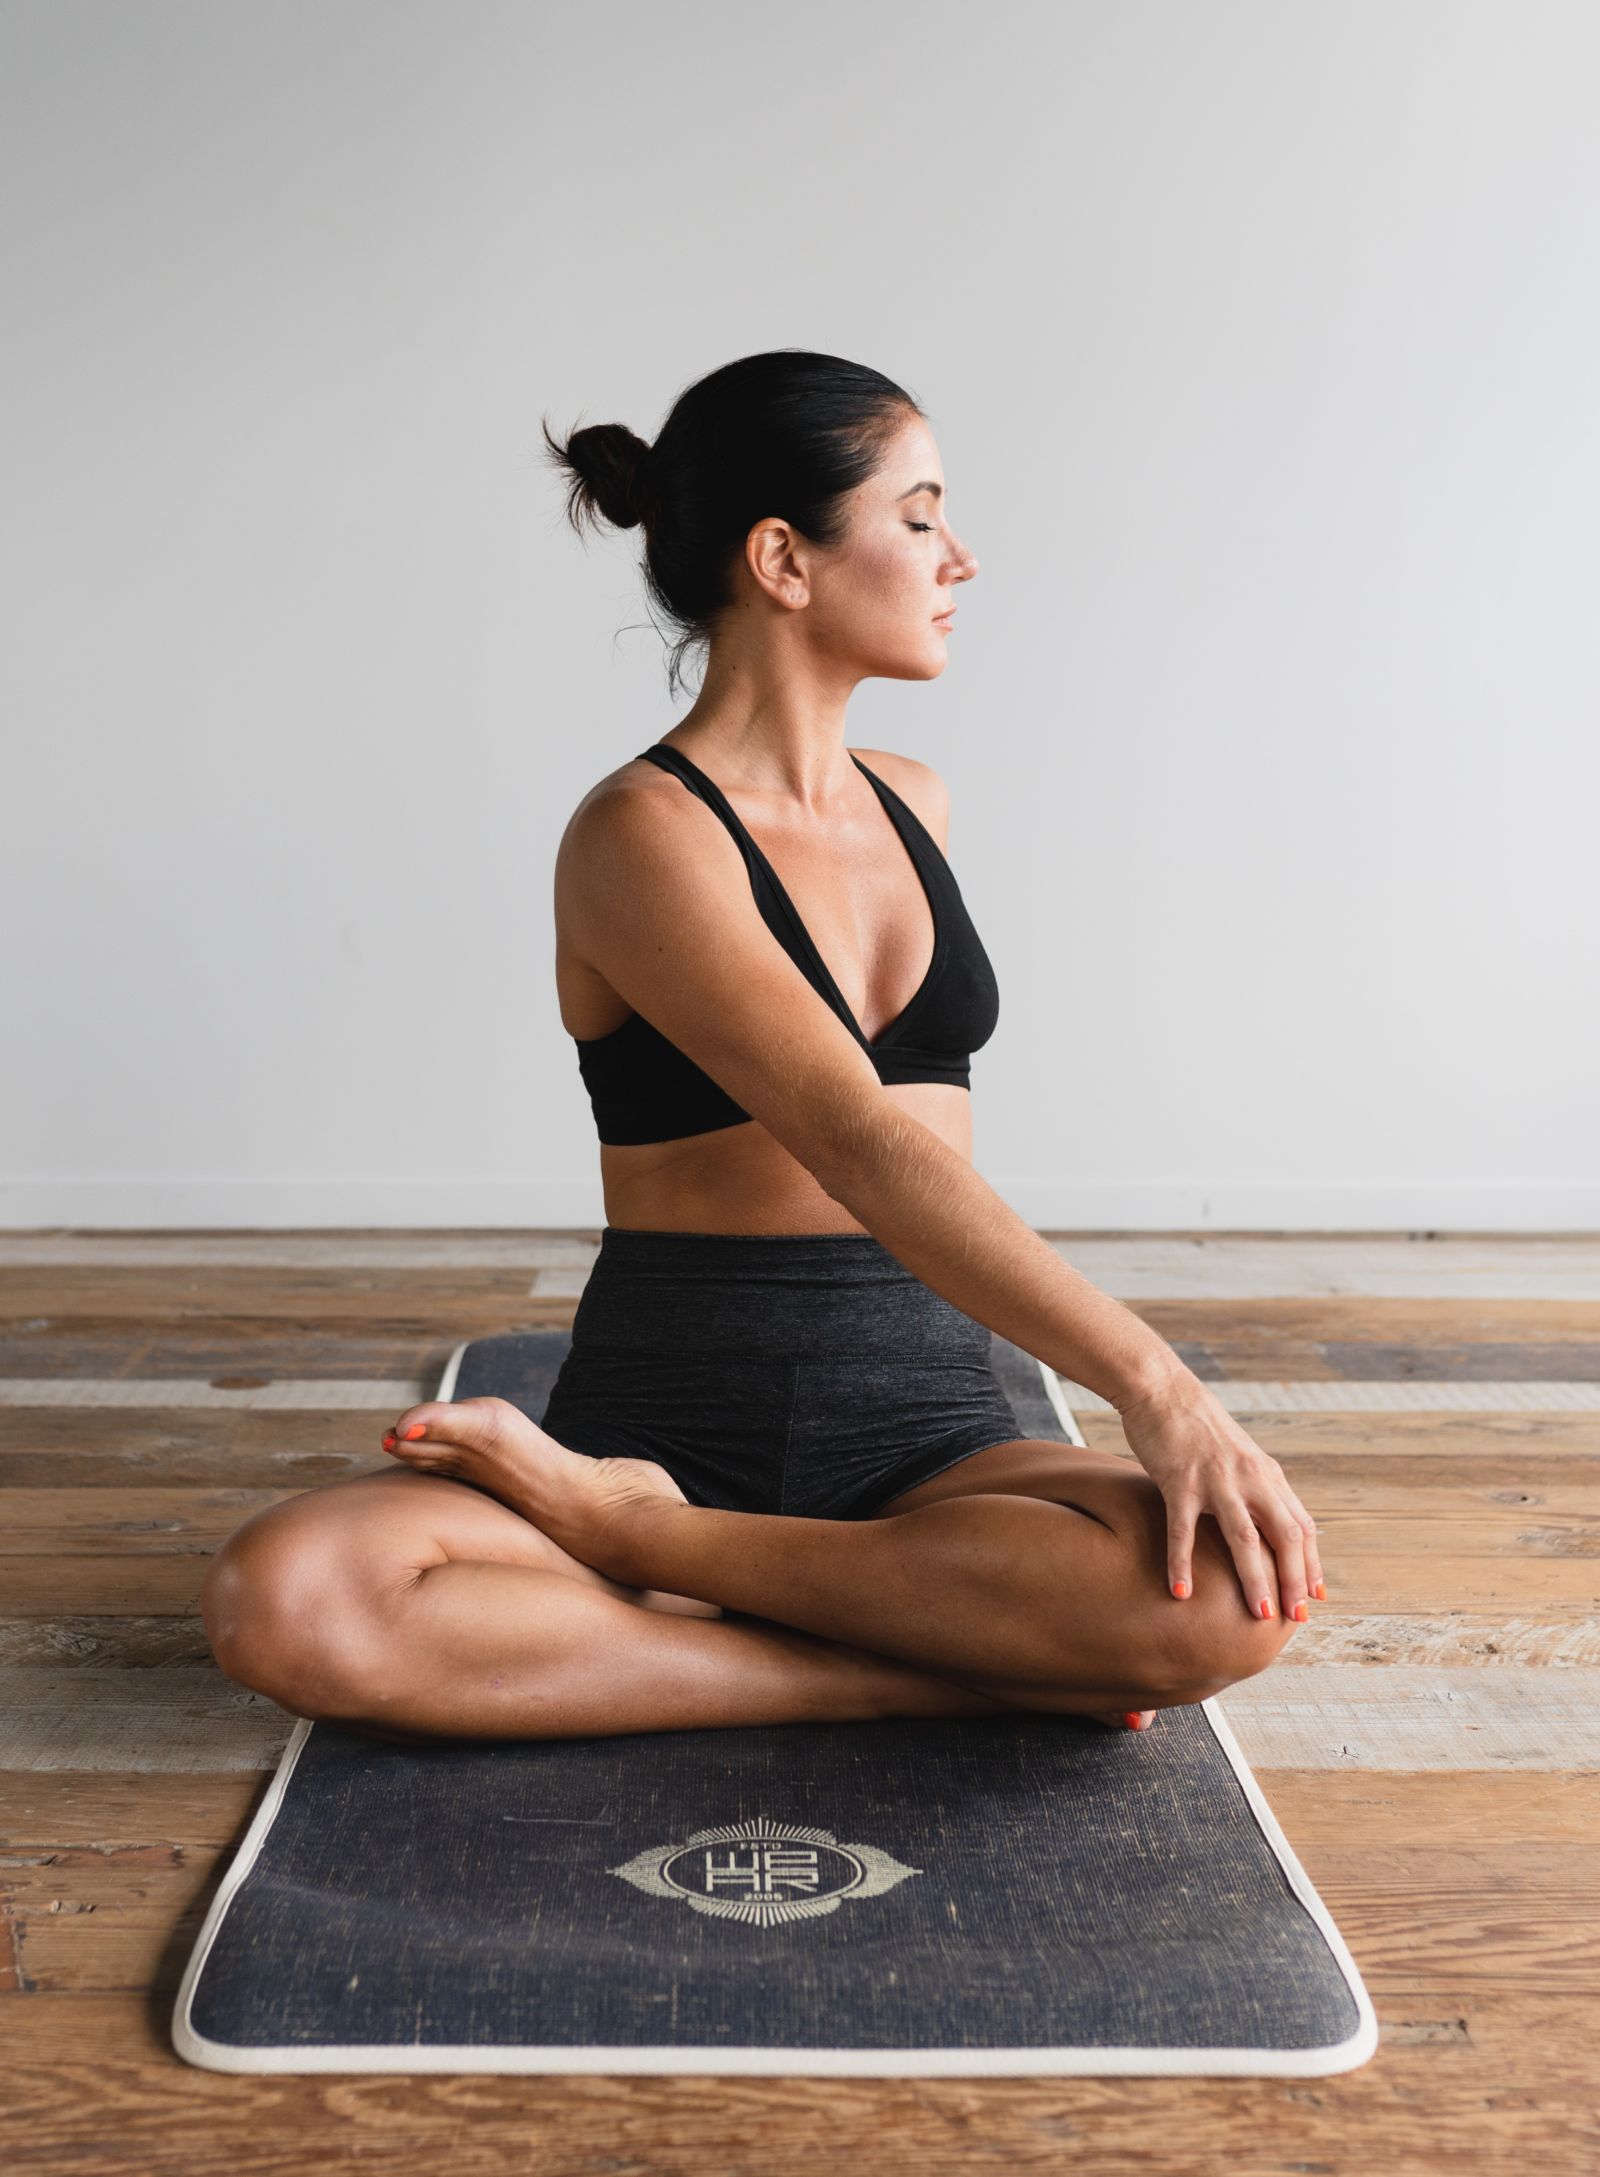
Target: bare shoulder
{"points": [[916, 783], [637, 827], [615, 804], [627, 781]]}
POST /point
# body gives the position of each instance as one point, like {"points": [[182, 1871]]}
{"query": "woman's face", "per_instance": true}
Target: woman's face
{"points": [[874, 600]]}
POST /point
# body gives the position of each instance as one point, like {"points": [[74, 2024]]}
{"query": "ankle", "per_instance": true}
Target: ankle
{"points": [[632, 1543]]}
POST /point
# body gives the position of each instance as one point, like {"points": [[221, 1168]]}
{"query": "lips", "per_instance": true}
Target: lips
{"points": [[943, 619]]}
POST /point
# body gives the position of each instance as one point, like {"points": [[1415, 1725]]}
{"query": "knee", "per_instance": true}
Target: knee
{"points": [[279, 1620], [1186, 1651], [1210, 1640]]}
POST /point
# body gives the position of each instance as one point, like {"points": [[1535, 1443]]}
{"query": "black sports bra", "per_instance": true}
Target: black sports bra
{"points": [[644, 1089]]}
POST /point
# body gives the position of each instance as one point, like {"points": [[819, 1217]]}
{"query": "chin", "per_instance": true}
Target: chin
{"points": [[925, 664]]}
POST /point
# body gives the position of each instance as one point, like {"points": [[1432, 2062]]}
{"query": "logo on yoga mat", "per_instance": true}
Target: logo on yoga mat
{"points": [[764, 1871]]}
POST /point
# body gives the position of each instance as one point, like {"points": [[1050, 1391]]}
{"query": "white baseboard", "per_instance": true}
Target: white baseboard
{"points": [[574, 1204]]}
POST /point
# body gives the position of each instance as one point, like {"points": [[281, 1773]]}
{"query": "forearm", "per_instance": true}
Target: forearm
{"points": [[933, 1212]]}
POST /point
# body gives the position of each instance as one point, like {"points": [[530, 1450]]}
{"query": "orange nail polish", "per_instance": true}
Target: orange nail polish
{"points": [[388, 1440], [1320, 1591], [1133, 1720], [1301, 1612], [1180, 1588], [1266, 1606], [417, 1428]]}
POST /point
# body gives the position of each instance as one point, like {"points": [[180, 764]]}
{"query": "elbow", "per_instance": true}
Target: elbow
{"points": [[846, 1155]]}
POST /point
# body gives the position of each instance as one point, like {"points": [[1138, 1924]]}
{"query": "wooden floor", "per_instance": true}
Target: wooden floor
{"points": [[1430, 1742]]}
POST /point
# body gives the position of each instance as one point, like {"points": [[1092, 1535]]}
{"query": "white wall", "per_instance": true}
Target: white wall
{"points": [[1260, 343]]}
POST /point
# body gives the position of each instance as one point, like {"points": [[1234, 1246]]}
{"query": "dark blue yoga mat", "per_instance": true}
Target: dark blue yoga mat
{"points": [[941, 1897]]}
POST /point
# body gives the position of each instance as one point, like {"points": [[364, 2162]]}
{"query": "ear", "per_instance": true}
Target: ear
{"points": [[776, 558]]}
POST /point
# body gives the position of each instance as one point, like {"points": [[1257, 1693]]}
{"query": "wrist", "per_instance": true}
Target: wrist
{"points": [[1159, 1379]]}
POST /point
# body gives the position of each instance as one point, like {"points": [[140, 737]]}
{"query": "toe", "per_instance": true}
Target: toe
{"points": [[442, 1421]]}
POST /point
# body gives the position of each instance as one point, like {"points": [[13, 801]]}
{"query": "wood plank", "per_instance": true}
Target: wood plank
{"points": [[103, 1587], [1419, 1442], [1447, 1585], [264, 1349], [1364, 1537], [1556, 1639], [1398, 1809], [143, 1308], [114, 1643], [179, 1717], [1400, 1393], [1338, 1335], [1204, 1266], [417, 1248], [1481, 2078], [241, 1389], [135, 1522], [1366, 1716], [224, 1445], [58, 1809]]}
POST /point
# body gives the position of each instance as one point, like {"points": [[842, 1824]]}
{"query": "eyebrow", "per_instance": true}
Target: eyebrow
{"points": [[936, 489]]}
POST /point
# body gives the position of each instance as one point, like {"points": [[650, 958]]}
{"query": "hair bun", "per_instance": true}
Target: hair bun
{"points": [[615, 471]]}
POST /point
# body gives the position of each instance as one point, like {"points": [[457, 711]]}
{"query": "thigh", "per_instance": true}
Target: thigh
{"points": [[1106, 1487], [369, 1537]]}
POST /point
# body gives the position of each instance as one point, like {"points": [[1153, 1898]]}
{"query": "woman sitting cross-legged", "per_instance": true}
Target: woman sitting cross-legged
{"points": [[777, 1479]]}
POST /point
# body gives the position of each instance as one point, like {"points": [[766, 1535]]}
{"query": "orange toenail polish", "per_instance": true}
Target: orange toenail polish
{"points": [[1320, 1591], [1133, 1720], [1266, 1606], [417, 1428], [1180, 1588], [1301, 1612]]}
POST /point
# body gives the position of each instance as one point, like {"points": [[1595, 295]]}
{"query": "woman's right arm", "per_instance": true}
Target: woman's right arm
{"points": [[662, 907]]}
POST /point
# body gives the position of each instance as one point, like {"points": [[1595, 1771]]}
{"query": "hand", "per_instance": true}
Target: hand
{"points": [[1202, 1461]]}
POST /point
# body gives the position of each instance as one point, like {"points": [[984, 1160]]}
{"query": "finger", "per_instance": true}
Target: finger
{"points": [[1308, 1531], [1315, 1584], [1182, 1516], [1243, 1538], [1282, 1530]]}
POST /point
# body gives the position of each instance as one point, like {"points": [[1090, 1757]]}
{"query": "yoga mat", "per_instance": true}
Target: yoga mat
{"points": [[939, 1897]]}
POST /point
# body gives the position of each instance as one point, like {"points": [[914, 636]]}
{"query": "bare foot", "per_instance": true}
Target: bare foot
{"points": [[566, 1494]]}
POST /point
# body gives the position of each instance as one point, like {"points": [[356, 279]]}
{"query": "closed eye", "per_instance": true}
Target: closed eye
{"points": [[925, 526]]}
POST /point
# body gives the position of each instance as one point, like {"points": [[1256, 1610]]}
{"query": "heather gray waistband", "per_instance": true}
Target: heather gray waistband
{"points": [[765, 1294]]}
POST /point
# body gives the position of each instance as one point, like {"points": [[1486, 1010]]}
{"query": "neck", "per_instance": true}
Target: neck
{"points": [[765, 725]]}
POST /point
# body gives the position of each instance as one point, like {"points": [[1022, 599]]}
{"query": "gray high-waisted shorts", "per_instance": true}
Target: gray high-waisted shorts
{"points": [[805, 1373]]}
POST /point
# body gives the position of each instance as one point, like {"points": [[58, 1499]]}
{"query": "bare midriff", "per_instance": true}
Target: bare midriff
{"points": [[740, 1179]]}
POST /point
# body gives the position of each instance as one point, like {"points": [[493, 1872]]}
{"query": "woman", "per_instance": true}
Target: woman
{"points": [[776, 1480]]}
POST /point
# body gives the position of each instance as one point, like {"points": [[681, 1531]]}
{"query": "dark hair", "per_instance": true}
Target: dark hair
{"points": [[786, 433]]}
